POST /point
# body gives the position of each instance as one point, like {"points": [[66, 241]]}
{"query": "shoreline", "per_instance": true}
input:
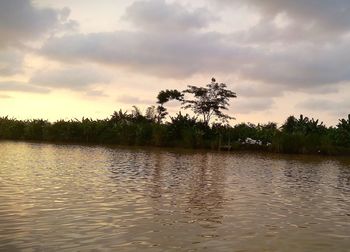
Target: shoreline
{"points": [[181, 150]]}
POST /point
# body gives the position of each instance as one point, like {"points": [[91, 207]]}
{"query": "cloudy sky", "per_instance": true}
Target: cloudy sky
{"points": [[62, 59]]}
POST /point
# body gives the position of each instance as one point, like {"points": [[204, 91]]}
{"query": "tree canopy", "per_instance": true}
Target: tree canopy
{"points": [[207, 102]]}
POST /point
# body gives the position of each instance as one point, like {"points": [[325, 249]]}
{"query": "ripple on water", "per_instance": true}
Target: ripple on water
{"points": [[66, 197]]}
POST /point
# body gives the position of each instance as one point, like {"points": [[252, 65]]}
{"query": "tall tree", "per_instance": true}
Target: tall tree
{"points": [[209, 101]]}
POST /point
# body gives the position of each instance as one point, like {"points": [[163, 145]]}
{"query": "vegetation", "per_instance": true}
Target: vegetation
{"points": [[296, 135], [209, 101]]}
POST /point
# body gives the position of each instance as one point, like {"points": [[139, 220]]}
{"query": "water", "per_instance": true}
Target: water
{"points": [[80, 198]]}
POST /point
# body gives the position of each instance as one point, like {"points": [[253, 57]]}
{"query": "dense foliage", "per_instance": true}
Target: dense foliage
{"points": [[297, 135]]}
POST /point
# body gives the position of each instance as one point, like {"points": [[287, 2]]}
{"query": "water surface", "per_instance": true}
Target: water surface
{"points": [[69, 198]]}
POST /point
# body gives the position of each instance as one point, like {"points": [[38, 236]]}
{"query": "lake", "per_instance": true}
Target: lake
{"points": [[91, 198]]}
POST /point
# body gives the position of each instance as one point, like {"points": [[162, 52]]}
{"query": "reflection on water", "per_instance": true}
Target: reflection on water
{"points": [[56, 198]]}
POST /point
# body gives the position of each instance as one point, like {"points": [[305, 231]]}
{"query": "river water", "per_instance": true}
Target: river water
{"points": [[83, 198]]}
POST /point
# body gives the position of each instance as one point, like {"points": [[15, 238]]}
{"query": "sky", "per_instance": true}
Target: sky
{"points": [[63, 59]]}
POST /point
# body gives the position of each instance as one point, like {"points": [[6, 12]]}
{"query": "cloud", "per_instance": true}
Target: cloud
{"points": [[289, 23], [3, 96], [251, 105], [335, 107], [167, 43], [160, 16], [70, 77], [77, 78], [166, 55], [20, 21], [314, 16], [10, 62], [251, 90], [133, 100], [159, 49], [268, 31], [15, 86], [303, 67], [178, 56], [96, 93]]}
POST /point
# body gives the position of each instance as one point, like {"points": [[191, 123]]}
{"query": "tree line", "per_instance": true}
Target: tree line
{"points": [[207, 127]]}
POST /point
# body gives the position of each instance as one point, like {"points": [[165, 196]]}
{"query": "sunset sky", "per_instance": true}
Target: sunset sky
{"points": [[62, 59]]}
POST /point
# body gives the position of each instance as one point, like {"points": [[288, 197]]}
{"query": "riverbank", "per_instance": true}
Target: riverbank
{"points": [[182, 150], [295, 136]]}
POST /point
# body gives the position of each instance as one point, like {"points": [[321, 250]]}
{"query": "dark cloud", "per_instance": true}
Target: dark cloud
{"points": [[162, 17], [70, 77], [20, 20], [171, 55], [303, 67], [315, 16], [15, 86], [167, 44], [269, 32], [180, 53]]}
